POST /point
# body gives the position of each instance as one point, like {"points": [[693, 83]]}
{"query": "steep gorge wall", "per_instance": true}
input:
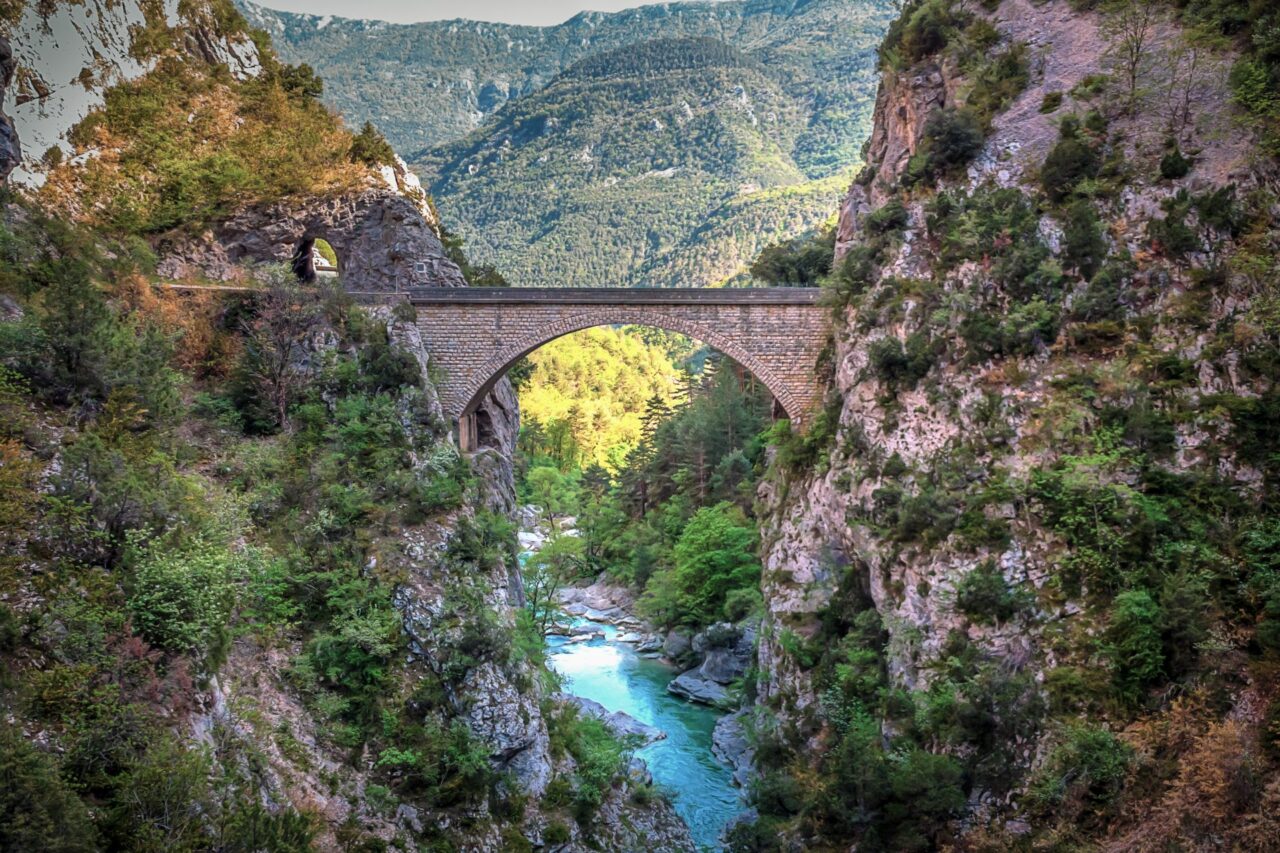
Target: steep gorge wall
{"points": [[259, 720], [10, 149], [885, 514]]}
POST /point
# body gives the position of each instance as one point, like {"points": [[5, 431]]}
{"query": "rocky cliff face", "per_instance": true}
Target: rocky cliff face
{"points": [[10, 150], [496, 702], [383, 238], [934, 475], [68, 54]]}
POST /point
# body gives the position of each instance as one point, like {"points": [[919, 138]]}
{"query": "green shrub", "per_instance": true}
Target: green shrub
{"points": [[385, 367], [741, 603], [160, 801], [1102, 300], [370, 147], [111, 482], [953, 136], [1173, 165], [181, 598], [928, 516], [901, 367], [1219, 210], [753, 836], [1186, 608], [926, 794], [890, 217], [984, 595], [1133, 644], [1069, 162], [38, 811], [556, 832], [1084, 247], [1000, 229], [443, 763], [851, 278], [1026, 328], [1086, 772], [1261, 545], [599, 757], [1052, 101], [777, 793], [999, 79], [801, 262], [922, 30], [1172, 235]]}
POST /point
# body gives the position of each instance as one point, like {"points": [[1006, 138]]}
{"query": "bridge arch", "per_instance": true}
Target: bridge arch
{"points": [[481, 382], [473, 335]]}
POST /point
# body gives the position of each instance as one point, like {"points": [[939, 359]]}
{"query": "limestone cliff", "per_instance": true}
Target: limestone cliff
{"points": [[948, 450], [68, 54], [10, 150]]}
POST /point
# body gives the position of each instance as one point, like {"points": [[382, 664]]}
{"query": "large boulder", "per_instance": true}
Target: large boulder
{"points": [[620, 724], [677, 645], [727, 651], [693, 687], [10, 150]]}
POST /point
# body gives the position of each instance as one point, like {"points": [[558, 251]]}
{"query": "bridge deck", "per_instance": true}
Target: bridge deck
{"points": [[617, 295]]}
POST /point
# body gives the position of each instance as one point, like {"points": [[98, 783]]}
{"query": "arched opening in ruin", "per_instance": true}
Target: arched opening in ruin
{"points": [[475, 425], [315, 259]]}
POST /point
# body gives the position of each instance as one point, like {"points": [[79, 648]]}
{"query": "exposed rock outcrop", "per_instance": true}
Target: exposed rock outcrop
{"points": [[731, 746], [604, 602], [620, 724], [903, 104], [69, 54], [824, 533], [727, 652], [10, 150], [383, 241]]}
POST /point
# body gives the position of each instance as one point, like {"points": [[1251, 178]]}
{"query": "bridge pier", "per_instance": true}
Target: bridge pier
{"points": [[468, 433]]}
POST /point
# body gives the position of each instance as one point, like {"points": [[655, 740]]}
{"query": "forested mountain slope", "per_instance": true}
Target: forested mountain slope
{"points": [[662, 146], [431, 83], [619, 168]]}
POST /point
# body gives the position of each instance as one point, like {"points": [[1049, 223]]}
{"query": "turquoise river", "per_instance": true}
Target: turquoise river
{"points": [[614, 675]]}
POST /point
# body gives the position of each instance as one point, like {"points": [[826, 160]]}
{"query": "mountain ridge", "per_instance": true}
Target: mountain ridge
{"points": [[472, 71], [718, 127]]}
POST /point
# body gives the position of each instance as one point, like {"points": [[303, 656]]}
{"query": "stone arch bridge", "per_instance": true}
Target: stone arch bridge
{"points": [[473, 335]]}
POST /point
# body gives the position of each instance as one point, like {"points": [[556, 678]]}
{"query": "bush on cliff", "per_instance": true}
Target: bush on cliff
{"points": [[953, 136]]}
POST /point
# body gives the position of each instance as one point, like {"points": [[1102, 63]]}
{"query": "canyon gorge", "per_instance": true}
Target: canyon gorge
{"points": [[1009, 579]]}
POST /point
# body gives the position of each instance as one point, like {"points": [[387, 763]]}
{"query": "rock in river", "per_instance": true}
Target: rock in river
{"points": [[620, 724]]}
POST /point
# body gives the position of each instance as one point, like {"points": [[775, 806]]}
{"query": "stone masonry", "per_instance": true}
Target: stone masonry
{"points": [[473, 335]]}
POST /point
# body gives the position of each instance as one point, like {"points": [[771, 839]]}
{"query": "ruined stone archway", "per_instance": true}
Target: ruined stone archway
{"points": [[474, 335]]}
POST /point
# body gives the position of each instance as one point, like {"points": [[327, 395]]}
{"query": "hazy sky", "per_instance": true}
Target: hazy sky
{"points": [[408, 11]]}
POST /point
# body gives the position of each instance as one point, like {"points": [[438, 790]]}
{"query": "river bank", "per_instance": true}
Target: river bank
{"points": [[648, 686], [613, 676]]}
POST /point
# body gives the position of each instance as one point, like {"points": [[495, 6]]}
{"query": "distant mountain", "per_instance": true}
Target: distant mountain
{"points": [[661, 145], [430, 83]]}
